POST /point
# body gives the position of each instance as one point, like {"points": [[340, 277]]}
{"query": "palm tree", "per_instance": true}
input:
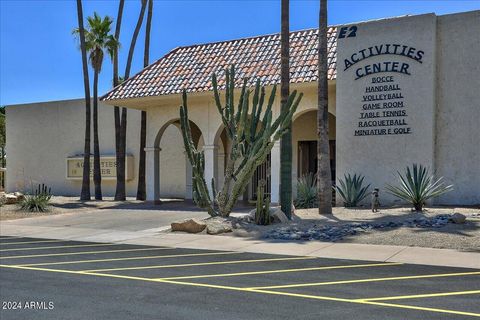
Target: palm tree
{"points": [[85, 193], [286, 140], [97, 40], [116, 111], [141, 189], [116, 82], [324, 175], [3, 139], [120, 194]]}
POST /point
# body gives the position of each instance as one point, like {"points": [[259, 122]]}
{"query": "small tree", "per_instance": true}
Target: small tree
{"points": [[252, 140]]}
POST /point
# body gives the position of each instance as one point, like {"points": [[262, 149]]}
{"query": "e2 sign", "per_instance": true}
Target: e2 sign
{"points": [[347, 32]]}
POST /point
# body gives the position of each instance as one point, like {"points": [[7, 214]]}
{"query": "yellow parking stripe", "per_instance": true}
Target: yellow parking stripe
{"points": [[61, 247], [368, 280], [79, 253], [249, 290], [200, 264], [427, 295], [364, 302], [130, 258], [10, 238], [282, 271], [29, 242], [471, 314]]}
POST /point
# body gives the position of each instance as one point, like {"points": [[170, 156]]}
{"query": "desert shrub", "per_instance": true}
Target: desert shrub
{"points": [[351, 190], [306, 192], [417, 186], [38, 200]]}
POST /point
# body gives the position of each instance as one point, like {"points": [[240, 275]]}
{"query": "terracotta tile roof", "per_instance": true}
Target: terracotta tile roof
{"points": [[191, 67]]}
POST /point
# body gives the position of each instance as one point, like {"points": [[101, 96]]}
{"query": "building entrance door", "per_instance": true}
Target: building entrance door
{"points": [[307, 158]]}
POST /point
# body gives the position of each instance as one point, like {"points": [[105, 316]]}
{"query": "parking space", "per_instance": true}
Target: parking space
{"points": [[263, 285]]}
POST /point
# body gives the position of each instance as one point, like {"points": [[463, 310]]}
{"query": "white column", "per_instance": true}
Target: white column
{"points": [[210, 165], [188, 179], [152, 174], [275, 173]]}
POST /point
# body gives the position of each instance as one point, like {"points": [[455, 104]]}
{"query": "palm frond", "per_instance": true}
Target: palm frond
{"points": [[98, 39]]}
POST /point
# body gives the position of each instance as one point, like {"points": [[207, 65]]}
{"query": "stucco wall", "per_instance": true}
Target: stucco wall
{"points": [[457, 151], [378, 156], [164, 112], [172, 164], [40, 136], [439, 96]]}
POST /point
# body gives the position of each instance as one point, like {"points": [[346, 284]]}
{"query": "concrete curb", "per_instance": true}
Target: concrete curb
{"points": [[152, 237]]}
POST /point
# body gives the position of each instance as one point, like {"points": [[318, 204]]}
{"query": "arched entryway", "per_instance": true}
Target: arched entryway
{"points": [[304, 142], [172, 170], [222, 152]]}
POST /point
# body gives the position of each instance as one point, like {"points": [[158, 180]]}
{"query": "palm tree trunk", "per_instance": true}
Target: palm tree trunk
{"points": [[121, 156], [134, 39], [85, 193], [141, 189], [119, 195], [324, 176], [286, 140], [97, 178]]}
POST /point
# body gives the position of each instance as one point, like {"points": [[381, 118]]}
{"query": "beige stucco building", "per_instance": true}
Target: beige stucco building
{"points": [[401, 91]]}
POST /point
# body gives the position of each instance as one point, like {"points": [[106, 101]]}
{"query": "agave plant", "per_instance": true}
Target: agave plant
{"points": [[306, 192], [417, 186], [351, 190], [38, 200]]}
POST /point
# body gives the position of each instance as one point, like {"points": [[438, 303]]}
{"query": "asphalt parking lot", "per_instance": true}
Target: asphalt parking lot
{"points": [[57, 279]]}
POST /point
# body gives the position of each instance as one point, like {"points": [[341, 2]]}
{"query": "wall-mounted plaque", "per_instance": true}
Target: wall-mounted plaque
{"points": [[108, 167]]}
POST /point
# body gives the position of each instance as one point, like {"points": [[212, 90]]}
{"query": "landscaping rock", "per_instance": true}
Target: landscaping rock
{"points": [[218, 227], [189, 225], [251, 215], [11, 199], [334, 233], [278, 216], [20, 196], [458, 218]]}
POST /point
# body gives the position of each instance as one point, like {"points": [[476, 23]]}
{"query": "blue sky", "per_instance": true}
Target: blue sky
{"points": [[40, 61]]}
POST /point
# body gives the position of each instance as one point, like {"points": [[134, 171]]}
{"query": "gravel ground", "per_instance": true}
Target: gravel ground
{"points": [[465, 237]]}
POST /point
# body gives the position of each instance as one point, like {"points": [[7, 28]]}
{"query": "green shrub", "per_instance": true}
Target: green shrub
{"points": [[262, 213], [351, 190], [417, 186], [307, 196], [38, 200]]}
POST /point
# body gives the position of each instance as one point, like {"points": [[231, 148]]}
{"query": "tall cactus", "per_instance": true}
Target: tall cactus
{"points": [[262, 213], [252, 138]]}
